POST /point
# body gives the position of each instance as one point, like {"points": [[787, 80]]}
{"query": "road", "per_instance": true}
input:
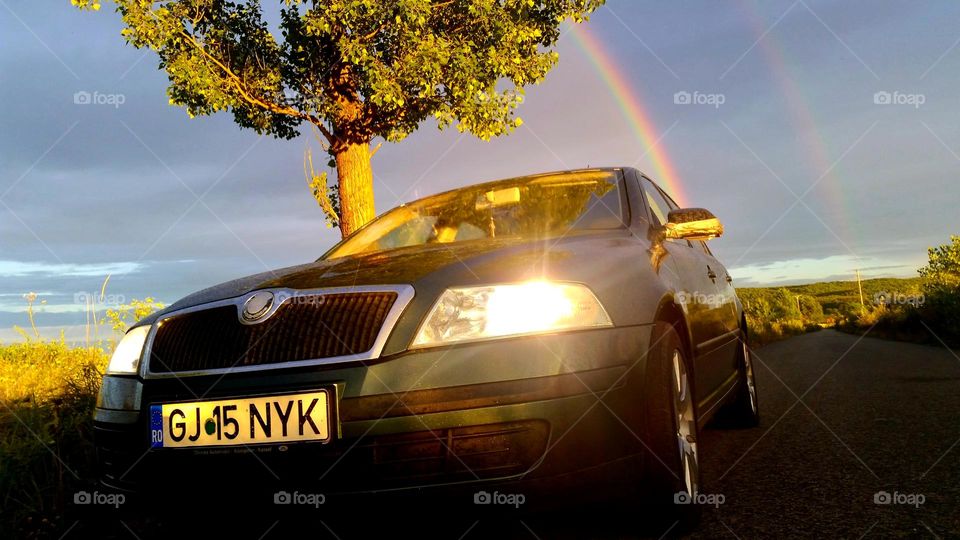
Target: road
{"points": [[843, 418]]}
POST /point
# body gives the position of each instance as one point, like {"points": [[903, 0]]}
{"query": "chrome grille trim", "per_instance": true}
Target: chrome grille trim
{"points": [[405, 294]]}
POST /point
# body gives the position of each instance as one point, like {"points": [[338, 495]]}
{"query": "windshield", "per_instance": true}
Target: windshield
{"points": [[524, 208]]}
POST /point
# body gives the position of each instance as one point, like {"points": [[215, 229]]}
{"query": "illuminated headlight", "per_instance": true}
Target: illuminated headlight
{"points": [[126, 357], [475, 313]]}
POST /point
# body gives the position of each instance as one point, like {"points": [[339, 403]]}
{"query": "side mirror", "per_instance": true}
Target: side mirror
{"points": [[692, 224]]}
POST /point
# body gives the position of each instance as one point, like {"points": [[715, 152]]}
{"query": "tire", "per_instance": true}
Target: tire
{"points": [[671, 464], [744, 410]]}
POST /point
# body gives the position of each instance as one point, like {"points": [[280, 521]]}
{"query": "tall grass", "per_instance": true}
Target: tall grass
{"points": [[48, 391]]}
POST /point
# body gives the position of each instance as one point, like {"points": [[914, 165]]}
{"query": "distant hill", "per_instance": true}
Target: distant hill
{"points": [[834, 295]]}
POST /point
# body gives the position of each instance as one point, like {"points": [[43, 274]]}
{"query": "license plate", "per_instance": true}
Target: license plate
{"points": [[229, 422]]}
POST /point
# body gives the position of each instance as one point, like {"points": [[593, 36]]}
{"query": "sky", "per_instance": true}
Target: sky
{"points": [[823, 134]]}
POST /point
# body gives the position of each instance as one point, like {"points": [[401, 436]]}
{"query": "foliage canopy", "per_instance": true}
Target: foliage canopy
{"points": [[357, 69]]}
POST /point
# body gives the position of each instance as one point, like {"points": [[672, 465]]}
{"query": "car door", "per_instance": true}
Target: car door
{"points": [[699, 296], [730, 313]]}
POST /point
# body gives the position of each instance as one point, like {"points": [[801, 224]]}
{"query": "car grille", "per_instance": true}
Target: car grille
{"points": [[333, 325]]}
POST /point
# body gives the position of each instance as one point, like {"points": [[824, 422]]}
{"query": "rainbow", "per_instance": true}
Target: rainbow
{"points": [[803, 121], [629, 102]]}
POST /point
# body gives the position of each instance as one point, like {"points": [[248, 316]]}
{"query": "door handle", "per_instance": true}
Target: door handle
{"points": [[729, 279], [711, 274]]}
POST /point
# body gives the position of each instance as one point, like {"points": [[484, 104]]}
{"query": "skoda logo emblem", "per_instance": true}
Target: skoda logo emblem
{"points": [[256, 306]]}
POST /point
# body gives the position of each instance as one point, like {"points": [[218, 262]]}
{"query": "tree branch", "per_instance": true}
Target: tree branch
{"points": [[247, 96], [319, 188], [375, 31]]}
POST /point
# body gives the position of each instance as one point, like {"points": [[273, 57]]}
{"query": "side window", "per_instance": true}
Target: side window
{"points": [[659, 206], [667, 198]]}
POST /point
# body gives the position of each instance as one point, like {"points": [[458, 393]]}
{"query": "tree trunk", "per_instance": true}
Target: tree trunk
{"points": [[355, 184]]}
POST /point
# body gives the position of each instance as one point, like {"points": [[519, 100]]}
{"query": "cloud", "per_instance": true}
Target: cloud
{"points": [[42, 269], [73, 333], [806, 270]]}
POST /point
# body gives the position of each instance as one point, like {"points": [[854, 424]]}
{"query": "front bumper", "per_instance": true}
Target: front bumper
{"points": [[521, 410]]}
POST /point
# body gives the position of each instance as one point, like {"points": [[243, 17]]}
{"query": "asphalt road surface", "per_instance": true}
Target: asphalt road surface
{"points": [[845, 420], [859, 438]]}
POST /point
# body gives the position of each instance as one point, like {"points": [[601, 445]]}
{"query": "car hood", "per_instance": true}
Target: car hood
{"points": [[430, 269]]}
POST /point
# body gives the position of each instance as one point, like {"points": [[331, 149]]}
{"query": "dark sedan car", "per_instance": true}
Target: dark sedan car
{"points": [[553, 334]]}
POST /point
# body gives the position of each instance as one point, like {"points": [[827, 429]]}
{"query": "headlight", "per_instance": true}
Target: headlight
{"points": [[474, 313], [126, 357]]}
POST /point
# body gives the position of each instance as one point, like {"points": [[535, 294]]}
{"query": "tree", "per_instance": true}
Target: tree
{"points": [[943, 267], [355, 70], [810, 308], [941, 288], [783, 304]]}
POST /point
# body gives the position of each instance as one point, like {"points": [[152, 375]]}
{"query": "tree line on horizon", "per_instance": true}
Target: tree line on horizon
{"points": [[923, 309]]}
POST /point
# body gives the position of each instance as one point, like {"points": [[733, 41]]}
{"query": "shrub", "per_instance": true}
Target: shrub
{"points": [[932, 317], [48, 391], [774, 314], [766, 331], [810, 308], [124, 316], [941, 288]]}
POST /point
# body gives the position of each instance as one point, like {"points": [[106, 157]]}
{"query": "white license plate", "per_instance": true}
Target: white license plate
{"points": [[228, 422]]}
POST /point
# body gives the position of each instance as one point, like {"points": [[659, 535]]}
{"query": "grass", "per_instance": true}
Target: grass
{"points": [[762, 332], [48, 391]]}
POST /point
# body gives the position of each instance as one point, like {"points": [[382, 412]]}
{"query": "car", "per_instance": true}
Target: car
{"points": [[566, 332]]}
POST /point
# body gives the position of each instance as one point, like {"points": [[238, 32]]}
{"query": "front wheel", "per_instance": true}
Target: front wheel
{"points": [[672, 461]]}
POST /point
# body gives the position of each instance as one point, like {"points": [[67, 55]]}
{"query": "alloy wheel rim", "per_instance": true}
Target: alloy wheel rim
{"points": [[751, 385], [685, 424]]}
